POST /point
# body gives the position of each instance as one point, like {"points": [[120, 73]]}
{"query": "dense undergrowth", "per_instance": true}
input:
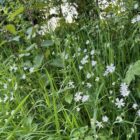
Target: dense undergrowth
{"points": [[69, 70]]}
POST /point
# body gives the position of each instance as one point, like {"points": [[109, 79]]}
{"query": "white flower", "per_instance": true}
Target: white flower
{"points": [[88, 75], [109, 69], [89, 85], [105, 119], [136, 6], [87, 42], [135, 106], [80, 67], [85, 98], [119, 119], [138, 112], [124, 90], [97, 79], [92, 52], [54, 11], [78, 96], [78, 109], [119, 103], [13, 68], [136, 19], [53, 23], [71, 84], [5, 86], [31, 70], [69, 12], [23, 76], [93, 63], [99, 124], [113, 84], [84, 60], [85, 50]]}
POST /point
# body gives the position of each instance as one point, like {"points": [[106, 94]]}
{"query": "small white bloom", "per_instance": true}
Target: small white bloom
{"points": [[92, 52], [119, 119], [109, 69], [138, 112], [5, 86], [23, 76], [97, 79], [99, 124], [12, 112], [31, 70], [136, 19], [71, 84], [78, 109], [124, 90], [135, 106], [93, 63], [105, 119], [89, 85], [85, 98], [84, 60], [87, 42], [119, 103], [113, 84], [80, 67], [85, 50], [136, 6], [78, 96], [88, 75]]}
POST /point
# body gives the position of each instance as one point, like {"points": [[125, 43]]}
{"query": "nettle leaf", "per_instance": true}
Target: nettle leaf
{"points": [[134, 70], [16, 13], [38, 60], [68, 98], [11, 28], [47, 43]]}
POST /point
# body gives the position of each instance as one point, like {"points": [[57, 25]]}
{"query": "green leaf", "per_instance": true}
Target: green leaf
{"points": [[17, 12], [68, 98], [58, 62], [47, 43], [134, 70], [89, 138], [11, 28], [38, 60]]}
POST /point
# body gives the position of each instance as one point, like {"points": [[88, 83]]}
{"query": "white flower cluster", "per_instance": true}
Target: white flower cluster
{"points": [[136, 19], [80, 97], [124, 90], [69, 11], [109, 69]]}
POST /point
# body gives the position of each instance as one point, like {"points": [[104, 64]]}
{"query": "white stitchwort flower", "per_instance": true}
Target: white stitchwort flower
{"points": [[119, 119], [71, 84], [85, 98], [119, 103], [84, 60], [88, 75], [69, 11], [105, 119], [109, 69], [78, 96], [99, 124], [23, 76], [92, 52], [138, 112], [93, 63], [134, 106], [136, 6], [5, 86], [97, 79], [31, 70], [124, 90], [89, 85], [136, 19]]}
